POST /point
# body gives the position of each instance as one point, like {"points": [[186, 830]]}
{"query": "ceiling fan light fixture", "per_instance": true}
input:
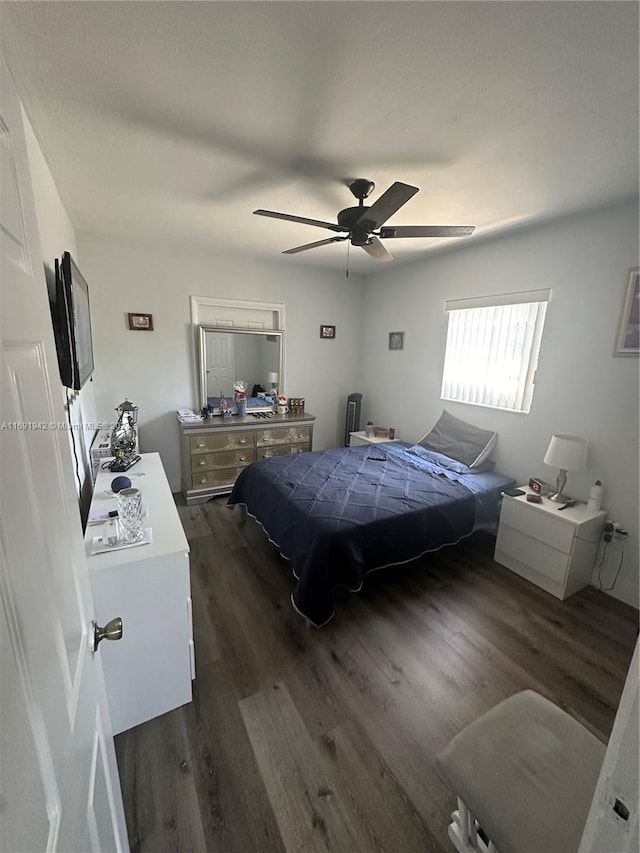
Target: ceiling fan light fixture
{"points": [[362, 225]]}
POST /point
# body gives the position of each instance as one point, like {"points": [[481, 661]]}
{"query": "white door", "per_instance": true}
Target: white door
{"points": [[220, 364], [59, 786]]}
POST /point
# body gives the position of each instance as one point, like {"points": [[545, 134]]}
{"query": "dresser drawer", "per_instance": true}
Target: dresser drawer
{"points": [[220, 477], [280, 450], [543, 559], [283, 435], [222, 459], [223, 441], [537, 524]]}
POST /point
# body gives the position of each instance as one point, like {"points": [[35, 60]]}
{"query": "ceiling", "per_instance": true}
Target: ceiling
{"points": [[176, 120]]}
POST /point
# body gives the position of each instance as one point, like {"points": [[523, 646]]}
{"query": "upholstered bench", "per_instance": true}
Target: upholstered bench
{"points": [[525, 774]]}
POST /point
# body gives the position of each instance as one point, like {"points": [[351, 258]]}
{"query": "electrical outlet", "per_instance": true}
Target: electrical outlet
{"points": [[614, 530]]}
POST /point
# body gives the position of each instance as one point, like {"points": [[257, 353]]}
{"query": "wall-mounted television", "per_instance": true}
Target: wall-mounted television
{"points": [[72, 324]]}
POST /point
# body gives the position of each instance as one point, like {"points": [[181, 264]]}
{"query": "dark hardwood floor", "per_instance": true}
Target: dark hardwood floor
{"points": [[301, 739]]}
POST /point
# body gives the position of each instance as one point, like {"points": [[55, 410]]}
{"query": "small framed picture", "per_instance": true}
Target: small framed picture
{"points": [[141, 322], [628, 342], [327, 331], [396, 340]]}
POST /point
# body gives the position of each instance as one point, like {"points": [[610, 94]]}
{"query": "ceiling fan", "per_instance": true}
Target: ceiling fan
{"points": [[362, 225]]}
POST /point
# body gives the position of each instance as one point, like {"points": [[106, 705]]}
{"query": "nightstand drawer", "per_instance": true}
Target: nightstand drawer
{"points": [[552, 531], [223, 459], [543, 559], [221, 441]]}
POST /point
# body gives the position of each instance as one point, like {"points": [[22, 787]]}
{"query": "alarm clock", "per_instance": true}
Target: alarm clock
{"points": [[539, 486]]}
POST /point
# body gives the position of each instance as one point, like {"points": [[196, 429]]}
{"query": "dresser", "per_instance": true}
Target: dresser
{"points": [[216, 450], [553, 548], [149, 670]]}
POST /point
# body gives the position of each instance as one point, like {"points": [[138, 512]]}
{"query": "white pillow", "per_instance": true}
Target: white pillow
{"points": [[459, 440]]}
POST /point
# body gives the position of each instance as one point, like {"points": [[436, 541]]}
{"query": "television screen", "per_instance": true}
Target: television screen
{"points": [[72, 324]]}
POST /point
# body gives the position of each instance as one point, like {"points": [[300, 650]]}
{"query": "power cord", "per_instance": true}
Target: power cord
{"points": [[73, 443], [611, 531]]}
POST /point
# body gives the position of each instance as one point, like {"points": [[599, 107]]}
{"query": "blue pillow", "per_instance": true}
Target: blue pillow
{"points": [[448, 463]]}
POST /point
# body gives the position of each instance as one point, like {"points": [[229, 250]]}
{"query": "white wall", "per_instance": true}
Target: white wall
{"points": [[57, 235], [581, 388], [155, 369]]}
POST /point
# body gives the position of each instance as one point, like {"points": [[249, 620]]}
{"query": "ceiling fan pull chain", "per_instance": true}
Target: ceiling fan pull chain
{"points": [[348, 253]]}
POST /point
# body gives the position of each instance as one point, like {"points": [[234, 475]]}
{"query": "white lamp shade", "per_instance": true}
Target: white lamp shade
{"points": [[272, 378], [568, 452]]}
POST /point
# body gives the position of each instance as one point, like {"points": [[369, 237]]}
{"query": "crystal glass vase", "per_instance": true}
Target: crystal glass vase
{"points": [[130, 515]]}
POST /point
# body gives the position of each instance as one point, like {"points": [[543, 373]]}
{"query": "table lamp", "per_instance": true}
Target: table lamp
{"points": [[568, 453], [124, 437]]}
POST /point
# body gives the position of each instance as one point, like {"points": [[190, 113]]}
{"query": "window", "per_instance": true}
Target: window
{"points": [[492, 349]]}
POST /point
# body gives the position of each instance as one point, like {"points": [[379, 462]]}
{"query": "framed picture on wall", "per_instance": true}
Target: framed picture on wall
{"points": [[327, 331], [628, 342], [396, 340], [141, 322]]}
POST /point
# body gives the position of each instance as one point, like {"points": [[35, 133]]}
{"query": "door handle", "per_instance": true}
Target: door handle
{"points": [[111, 631]]}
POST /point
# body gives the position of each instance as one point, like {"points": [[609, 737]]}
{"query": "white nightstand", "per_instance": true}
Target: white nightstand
{"points": [[356, 438], [554, 549]]}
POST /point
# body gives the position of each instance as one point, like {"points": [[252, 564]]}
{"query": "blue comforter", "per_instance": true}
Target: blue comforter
{"points": [[338, 514]]}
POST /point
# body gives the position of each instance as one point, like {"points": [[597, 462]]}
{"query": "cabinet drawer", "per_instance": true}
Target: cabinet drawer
{"points": [[222, 459], [223, 441], [221, 477], [547, 561], [283, 435], [537, 524], [280, 450]]}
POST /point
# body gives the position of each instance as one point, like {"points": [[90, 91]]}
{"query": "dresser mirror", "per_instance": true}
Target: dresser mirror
{"points": [[229, 354]]}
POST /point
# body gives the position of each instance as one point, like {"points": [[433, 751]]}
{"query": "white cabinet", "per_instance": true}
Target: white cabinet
{"points": [[553, 548], [148, 671], [358, 438]]}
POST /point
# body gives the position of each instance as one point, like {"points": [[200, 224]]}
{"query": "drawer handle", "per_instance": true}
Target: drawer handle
{"points": [[300, 435], [242, 441], [242, 458], [201, 444], [298, 450], [266, 456], [203, 481], [203, 462]]}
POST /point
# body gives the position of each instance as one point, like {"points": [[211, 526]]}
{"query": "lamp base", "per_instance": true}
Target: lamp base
{"points": [[559, 498], [119, 465]]}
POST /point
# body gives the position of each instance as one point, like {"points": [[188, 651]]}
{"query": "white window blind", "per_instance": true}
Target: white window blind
{"points": [[492, 349]]}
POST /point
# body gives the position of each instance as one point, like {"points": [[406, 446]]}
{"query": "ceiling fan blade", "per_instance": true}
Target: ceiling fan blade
{"points": [[314, 245], [290, 218], [377, 251], [390, 201], [427, 231]]}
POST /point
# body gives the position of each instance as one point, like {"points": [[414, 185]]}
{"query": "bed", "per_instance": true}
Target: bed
{"points": [[338, 514]]}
